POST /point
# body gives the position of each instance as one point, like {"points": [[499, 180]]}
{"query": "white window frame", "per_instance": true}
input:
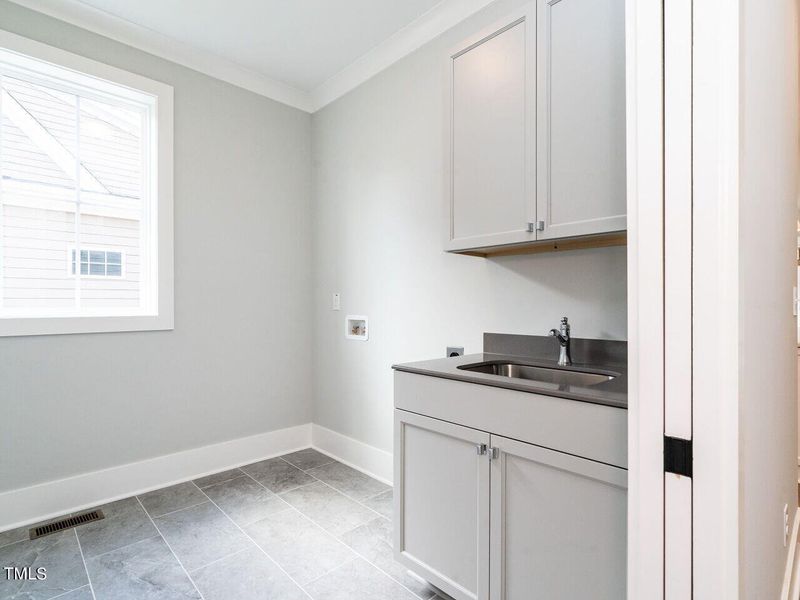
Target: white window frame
{"points": [[124, 259], [157, 310]]}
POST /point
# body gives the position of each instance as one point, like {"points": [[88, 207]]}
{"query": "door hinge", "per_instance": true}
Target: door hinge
{"points": [[678, 456]]}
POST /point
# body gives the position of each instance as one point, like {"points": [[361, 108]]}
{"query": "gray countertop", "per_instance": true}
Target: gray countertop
{"points": [[609, 393]]}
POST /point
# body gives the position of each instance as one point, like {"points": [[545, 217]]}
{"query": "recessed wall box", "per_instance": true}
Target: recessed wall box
{"points": [[356, 327]]}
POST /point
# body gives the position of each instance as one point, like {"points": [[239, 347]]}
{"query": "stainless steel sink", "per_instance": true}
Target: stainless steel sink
{"points": [[543, 374]]}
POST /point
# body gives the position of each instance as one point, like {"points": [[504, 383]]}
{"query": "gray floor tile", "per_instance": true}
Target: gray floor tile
{"points": [[357, 580], [328, 508], [218, 478], [277, 475], [59, 554], [84, 593], [201, 534], [172, 498], [307, 459], [146, 570], [23, 533], [248, 575], [349, 481], [373, 541], [125, 523], [382, 504], [302, 548], [245, 501], [14, 535]]}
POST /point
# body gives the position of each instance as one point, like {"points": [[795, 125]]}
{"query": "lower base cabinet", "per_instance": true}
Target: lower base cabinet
{"points": [[485, 517]]}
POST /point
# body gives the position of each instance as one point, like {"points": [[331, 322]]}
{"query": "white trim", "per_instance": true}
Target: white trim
{"points": [[157, 302], [644, 93], [419, 32], [368, 459], [716, 151], [422, 30], [118, 29], [54, 498], [791, 584]]}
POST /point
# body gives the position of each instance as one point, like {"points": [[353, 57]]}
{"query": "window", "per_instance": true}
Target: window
{"points": [[86, 174], [98, 263]]}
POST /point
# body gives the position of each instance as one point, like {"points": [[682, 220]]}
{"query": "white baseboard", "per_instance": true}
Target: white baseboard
{"points": [[55, 498], [368, 459], [791, 577]]}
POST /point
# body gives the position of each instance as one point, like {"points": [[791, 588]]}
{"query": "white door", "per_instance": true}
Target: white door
{"points": [[491, 119], [442, 504], [580, 107], [558, 529]]}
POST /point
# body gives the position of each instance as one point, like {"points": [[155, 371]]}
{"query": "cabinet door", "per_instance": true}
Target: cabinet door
{"points": [[558, 525], [442, 504], [580, 117], [491, 118]]}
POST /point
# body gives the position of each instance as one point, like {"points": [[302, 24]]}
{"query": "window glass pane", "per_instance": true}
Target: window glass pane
{"points": [[59, 151], [38, 199]]}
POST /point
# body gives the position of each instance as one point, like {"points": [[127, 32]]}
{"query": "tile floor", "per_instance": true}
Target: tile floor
{"points": [[295, 527]]}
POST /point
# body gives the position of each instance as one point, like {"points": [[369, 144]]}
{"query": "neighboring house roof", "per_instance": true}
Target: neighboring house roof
{"points": [[39, 148]]}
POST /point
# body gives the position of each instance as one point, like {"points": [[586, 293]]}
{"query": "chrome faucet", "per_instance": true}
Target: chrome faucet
{"points": [[562, 335]]}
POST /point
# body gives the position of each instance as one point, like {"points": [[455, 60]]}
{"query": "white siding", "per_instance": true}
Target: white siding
{"points": [[36, 261]]}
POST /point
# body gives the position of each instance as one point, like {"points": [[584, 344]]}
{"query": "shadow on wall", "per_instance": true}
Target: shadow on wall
{"points": [[589, 286]]}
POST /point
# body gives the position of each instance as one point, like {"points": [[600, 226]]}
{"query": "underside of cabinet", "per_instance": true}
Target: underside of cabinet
{"points": [[616, 238]]}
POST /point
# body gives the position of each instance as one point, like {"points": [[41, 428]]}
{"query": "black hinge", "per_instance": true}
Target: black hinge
{"points": [[678, 456]]}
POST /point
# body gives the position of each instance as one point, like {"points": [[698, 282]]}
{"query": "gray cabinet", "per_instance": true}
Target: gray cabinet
{"points": [[580, 104], [442, 504], [484, 516], [536, 126], [558, 525], [490, 191]]}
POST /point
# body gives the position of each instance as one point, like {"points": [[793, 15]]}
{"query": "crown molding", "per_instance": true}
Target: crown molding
{"points": [[433, 23], [118, 29], [419, 32]]}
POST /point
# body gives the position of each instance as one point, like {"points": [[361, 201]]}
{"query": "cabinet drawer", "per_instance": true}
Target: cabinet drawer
{"points": [[588, 430]]}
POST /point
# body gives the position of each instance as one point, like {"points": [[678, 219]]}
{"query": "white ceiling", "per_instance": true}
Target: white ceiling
{"points": [[300, 42], [305, 53]]}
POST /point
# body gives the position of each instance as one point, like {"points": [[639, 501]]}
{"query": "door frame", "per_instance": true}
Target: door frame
{"points": [[715, 422]]}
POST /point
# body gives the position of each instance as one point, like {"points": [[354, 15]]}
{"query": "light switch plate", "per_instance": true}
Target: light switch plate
{"points": [[336, 301]]}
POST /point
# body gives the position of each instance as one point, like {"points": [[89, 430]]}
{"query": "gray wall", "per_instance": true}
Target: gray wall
{"points": [[76, 403], [768, 162], [378, 235]]}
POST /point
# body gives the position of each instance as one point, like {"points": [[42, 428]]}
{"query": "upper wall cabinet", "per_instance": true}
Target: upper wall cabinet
{"points": [[491, 137], [536, 134], [580, 106]]}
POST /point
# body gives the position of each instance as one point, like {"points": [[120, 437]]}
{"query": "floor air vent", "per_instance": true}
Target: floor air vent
{"points": [[68, 523]]}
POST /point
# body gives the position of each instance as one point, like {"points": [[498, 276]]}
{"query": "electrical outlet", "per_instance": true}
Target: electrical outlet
{"points": [[785, 525], [336, 301], [454, 351]]}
